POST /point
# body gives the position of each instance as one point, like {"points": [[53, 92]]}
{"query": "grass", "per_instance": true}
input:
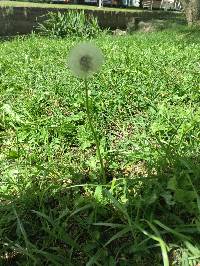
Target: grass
{"points": [[53, 210], [66, 6]]}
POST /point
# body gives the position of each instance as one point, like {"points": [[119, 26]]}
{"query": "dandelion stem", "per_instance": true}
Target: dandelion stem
{"points": [[94, 132]]}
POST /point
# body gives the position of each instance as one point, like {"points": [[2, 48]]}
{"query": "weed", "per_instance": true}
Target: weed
{"points": [[69, 24]]}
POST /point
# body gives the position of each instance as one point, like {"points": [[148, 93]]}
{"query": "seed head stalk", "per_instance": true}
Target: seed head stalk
{"points": [[94, 132]]}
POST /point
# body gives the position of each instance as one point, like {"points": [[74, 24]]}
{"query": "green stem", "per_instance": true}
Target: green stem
{"points": [[94, 132]]}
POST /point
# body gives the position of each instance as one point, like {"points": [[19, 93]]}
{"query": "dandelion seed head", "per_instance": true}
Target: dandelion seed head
{"points": [[85, 59]]}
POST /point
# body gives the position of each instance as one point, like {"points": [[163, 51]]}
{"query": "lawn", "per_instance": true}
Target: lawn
{"points": [[66, 6], [54, 207]]}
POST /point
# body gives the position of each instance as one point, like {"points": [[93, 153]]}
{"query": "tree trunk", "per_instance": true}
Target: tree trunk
{"points": [[192, 10]]}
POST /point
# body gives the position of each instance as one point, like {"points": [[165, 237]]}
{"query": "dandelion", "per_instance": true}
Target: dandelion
{"points": [[84, 60]]}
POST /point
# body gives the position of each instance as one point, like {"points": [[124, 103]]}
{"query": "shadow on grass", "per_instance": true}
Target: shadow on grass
{"points": [[190, 34], [70, 224], [6, 38]]}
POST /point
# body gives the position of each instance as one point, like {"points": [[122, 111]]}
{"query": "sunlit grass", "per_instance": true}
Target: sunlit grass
{"points": [[67, 6]]}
